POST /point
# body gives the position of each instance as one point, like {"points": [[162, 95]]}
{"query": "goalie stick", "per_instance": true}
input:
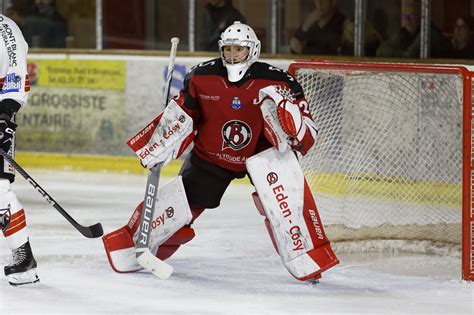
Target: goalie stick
{"points": [[92, 231], [144, 257]]}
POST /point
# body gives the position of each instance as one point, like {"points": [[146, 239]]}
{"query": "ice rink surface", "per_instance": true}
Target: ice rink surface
{"points": [[229, 268]]}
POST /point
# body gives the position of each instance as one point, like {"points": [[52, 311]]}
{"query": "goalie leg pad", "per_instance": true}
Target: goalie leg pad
{"points": [[291, 213], [259, 206], [120, 250], [183, 236], [168, 248], [172, 213]]}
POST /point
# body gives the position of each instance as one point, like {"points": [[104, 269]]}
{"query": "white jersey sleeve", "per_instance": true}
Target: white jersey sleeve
{"points": [[14, 81]]}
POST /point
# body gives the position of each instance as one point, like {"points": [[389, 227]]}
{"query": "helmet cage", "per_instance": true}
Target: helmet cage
{"points": [[239, 34], [235, 43]]}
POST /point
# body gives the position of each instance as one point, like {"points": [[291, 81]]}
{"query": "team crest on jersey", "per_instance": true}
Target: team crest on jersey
{"points": [[12, 83], [236, 103], [5, 217], [236, 135]]}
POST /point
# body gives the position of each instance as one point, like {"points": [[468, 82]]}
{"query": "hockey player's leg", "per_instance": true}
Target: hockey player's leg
{"points": [[322, 254], [120, 245], [291, 216], [204, 185], [22, 269], [172, 216]]}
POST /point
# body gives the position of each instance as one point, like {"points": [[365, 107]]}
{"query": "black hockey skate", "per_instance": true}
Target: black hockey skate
{"points": [[23, 268]]}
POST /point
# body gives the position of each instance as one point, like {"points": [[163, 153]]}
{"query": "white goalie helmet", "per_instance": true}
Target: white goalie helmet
{"points": [[239, 34]]}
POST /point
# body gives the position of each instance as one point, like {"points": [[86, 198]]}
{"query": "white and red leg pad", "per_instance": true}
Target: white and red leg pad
{"points": [[291, 216], [170, 220], [184, 235]]}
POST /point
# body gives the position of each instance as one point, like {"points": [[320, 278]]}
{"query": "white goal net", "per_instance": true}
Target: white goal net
{"points": [[388, 162]]}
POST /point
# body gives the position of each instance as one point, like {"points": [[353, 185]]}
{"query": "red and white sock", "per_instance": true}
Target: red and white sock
{"points": [[16, 233]]}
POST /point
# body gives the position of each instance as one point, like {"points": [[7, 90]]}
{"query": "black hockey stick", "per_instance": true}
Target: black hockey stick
{"points": [[92, 231], [144, 257]]}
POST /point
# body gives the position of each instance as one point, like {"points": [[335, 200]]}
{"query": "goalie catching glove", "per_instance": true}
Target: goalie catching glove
{"points": [[165, 138], [286, 122]]}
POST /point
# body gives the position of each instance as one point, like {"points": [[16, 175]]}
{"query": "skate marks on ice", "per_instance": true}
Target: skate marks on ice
{"points": [[230, 267]]}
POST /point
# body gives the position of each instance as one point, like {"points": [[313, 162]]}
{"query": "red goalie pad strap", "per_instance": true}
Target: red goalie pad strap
{"points": [[166, 251], [259, 206], [324, 257], [258, 203], [270, 232], [305, 144], [182, 236], [168, 248]]}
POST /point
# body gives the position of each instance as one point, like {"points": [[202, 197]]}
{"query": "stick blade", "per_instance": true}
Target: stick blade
{"points": [[92, 231], [156, 266]]}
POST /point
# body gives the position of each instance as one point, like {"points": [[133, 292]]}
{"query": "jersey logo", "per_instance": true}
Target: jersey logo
{"points": [[5, 217], [213, 98], [236, 135], [12, 83], [236, 103]]}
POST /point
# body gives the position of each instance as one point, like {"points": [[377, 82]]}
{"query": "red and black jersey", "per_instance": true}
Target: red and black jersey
{"points": [[228, 121]]}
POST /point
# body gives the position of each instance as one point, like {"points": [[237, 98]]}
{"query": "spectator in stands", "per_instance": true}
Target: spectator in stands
{"points": [[46, 27], [372, 39], [407, 42], [218, 15], [380, 21], [462, 43], [321, 31], [19, 10]]}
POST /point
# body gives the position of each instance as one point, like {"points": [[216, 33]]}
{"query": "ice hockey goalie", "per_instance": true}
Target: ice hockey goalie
{"points": [[248, 118]]}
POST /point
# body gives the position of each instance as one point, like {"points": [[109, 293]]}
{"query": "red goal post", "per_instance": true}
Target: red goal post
{"points": [[390, 139]]}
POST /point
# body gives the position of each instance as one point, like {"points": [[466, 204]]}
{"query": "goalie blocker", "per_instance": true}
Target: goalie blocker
{"points": [[291, 217], [164, 138]]}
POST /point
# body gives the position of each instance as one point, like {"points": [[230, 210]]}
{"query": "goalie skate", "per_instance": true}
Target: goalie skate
{"points": [[22, 270]]}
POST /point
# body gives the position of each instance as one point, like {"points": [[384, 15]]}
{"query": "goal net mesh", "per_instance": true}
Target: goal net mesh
{"points": [[387, 164]]}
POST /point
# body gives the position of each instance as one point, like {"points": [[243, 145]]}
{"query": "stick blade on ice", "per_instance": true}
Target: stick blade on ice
{"points": [[156, 266]]}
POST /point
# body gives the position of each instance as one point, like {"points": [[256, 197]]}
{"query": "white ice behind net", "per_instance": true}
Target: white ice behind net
{"points": [[387, 162]]}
